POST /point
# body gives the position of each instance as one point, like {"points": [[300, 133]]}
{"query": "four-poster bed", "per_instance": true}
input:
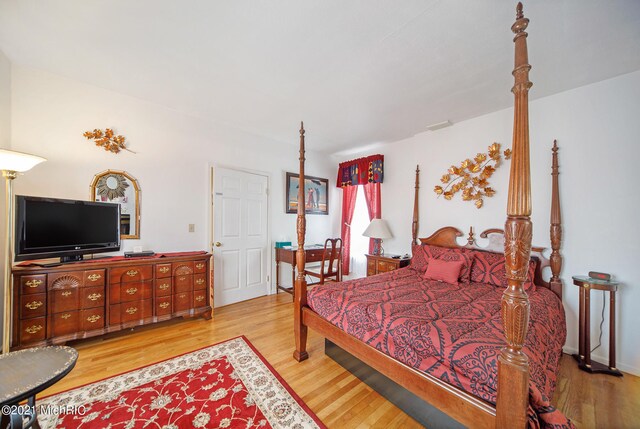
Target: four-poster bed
{"points": [[501, 322]]}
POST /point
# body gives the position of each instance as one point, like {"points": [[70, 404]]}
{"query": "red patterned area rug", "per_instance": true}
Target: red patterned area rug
{"points": [[227, 385]]}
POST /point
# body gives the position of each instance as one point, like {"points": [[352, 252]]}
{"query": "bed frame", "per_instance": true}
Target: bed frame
{"points": [[510, 410]]}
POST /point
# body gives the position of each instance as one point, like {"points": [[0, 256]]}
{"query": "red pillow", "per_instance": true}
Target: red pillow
{"points": [[490, 268], [443, 270], [423, 254]]}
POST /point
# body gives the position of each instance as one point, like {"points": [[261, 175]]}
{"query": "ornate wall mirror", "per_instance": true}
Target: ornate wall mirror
{"points": [[120, 187]]}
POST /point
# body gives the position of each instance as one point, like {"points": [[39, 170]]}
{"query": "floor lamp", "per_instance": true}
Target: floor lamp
{"points": [[11, 163]]}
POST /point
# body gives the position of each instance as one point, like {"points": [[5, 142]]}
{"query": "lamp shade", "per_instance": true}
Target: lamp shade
{"points": [[377, 229], [18, 161]]}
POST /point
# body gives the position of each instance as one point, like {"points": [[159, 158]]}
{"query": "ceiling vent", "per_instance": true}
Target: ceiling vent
{"points": [[439, 125]]}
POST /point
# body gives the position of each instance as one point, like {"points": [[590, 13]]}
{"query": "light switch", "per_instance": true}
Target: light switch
{"points": [[192, 227]]}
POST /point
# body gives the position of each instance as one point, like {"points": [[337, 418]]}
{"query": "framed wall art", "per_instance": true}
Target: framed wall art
{"points": [[316, 194]]}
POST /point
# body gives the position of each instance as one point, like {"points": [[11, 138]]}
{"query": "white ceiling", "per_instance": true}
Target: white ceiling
{"points": [[356, 71]]}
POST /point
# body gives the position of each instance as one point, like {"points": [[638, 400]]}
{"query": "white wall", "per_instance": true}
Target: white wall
{"points": [[597, 129], [5, 141], [171, 163]]}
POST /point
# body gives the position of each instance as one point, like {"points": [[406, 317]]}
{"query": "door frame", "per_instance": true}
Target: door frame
{"points": [[211, 212]]}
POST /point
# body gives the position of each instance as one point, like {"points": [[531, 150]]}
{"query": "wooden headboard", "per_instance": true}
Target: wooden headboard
{"points": [[448, 235]]}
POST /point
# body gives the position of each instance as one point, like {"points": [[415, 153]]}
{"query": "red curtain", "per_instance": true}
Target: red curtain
{"points": [[372, 196], [348, 207]]}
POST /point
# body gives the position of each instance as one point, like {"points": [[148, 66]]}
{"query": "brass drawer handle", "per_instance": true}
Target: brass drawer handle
{"points": [[164, 286], [200, 298], [33, 329], [182, 296], [65, 316], [200, 266], [164, 305], [183, 278], [33, 305], [34, 283], [132, 273], [199, 281], [93, 319], [94, 296], [164, 270], [132, 290], [66, 293], [131, 310], [94, 277]]}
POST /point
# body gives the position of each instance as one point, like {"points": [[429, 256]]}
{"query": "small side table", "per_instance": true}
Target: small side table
{"points": [[378, 264], [586, 284], [25, 373]]}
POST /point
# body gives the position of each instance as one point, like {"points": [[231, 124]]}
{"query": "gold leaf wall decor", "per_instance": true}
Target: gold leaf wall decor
{"points": [[107, 140], [472, 176]]}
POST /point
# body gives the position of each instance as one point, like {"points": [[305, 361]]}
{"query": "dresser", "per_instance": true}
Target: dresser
{"points": [[89, 298], [378, 264]]}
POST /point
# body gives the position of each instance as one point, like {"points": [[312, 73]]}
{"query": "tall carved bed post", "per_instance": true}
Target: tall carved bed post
{"points": [[300, 287], [556, 227], [513, 364], [414, 224]]}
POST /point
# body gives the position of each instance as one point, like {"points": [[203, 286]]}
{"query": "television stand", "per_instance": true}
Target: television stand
{"points": [[56, 302]]}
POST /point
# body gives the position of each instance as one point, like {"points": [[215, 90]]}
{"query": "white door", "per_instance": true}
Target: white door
{"points": [[240, 236]]}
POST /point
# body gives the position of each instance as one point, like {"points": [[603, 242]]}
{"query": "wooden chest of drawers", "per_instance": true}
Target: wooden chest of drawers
{"points": [[377, 264], [81, 300]]}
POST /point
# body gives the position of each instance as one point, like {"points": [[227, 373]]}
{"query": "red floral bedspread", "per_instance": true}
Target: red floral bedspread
{"points": [[451, 332]]}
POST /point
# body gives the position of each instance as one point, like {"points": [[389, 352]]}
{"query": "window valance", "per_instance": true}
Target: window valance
{"points": [[361, 171]]}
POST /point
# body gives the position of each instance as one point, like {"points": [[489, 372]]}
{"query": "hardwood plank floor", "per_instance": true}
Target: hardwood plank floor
{"points": [[338, 398]]}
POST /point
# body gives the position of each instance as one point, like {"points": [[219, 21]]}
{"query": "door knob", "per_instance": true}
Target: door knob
{"points": [[217, 244]]}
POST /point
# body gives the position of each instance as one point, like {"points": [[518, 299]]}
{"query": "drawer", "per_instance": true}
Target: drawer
{"points": [[183, 283], [314, 255], [130, 312], [33, 284], [163, 287], [200, 267], [131, 274], [64, 323], [94, 278], [69, 279], [371, 271], [163, 306], [64, 300], [182, 301], [91, 319], [371, 264], [183, 268], [200, 298], [32, 330], [383, 266], [163, 270], [91, 297], [199, 281], [135, 291], [33, 305]]}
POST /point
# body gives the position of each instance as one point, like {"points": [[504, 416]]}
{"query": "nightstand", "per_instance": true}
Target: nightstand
{"points": [[378, 264]]}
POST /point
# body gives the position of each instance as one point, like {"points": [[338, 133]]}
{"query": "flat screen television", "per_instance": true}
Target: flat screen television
{"points": [[68, 229]]}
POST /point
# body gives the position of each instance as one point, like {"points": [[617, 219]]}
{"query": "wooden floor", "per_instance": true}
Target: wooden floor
{"points": [[337, 397]]}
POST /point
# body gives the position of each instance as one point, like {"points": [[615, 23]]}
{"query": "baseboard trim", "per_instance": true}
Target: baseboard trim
{"points": [[605, 359]]}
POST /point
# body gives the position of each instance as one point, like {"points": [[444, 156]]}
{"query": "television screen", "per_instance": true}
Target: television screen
{"points": [[48, 227]]}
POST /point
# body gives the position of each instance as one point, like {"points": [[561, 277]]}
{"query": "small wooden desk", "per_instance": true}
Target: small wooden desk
{"points": [[312, 254], [584, 328]]}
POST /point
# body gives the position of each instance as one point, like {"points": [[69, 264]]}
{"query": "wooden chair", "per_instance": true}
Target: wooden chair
{"points": [[331, 260]]}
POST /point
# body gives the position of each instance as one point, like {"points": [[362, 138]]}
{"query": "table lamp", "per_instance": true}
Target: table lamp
{"points": [[11, 163], [377, 230]]}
